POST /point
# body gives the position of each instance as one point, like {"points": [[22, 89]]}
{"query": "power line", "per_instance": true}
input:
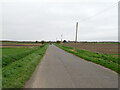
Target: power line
{"points": [[107, 9], [87, 18]]}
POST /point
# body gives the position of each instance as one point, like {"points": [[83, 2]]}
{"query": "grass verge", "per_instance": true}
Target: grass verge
{"points": [[15, 74], [105, 60], [0, 69]]}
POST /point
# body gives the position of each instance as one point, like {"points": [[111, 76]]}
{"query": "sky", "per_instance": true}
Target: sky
{"points": [[49, 19]]}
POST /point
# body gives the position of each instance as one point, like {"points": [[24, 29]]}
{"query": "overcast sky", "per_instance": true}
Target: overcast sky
{"points": [[48, 19]]}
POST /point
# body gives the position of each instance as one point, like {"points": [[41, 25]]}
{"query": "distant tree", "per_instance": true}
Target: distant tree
{"points": [[50, 42], [36, 41], [64, 41], [58, 41], [42, 42]]}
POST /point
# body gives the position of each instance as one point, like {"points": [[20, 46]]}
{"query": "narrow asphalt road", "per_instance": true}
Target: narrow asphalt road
{"points": [[59, 69]]}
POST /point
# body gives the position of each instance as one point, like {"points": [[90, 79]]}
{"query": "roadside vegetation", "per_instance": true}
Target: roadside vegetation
{"points": [[0, 68], [19, 64], [105, 60]]}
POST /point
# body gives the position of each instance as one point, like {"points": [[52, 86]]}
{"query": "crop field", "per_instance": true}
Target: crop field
{"points": [[105, 48], [19, 44], [19, 61]]}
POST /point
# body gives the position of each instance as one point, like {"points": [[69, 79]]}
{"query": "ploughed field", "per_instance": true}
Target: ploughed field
{"points": [[105, 48]]}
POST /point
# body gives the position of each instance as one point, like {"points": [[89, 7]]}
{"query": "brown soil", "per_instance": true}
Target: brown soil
{"points": [[95, 47]]}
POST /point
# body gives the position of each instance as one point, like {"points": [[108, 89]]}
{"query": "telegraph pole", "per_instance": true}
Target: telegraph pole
{"points": [[76, 32]]}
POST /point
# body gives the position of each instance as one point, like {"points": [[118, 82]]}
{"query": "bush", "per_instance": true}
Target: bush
{"points": [[58, 41]]}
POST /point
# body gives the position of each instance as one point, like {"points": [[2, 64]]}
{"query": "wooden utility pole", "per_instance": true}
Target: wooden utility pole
{"points": [[76, 31]]}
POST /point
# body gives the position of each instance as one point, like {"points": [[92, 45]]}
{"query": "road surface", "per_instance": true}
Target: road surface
{"points": [[59, 69]]}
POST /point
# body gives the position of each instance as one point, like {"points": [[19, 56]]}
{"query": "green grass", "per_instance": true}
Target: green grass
{"points": [[105, 60], [10, 55], [9, 51], [0, 68], [16, 73]]}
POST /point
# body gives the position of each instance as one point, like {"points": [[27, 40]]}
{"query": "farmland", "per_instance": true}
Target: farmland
{"points": [[19, 61], [97, 53], [19, 44], [106, 48]]}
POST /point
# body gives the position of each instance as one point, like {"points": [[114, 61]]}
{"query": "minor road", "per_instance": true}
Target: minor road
{"points": [[59, 69]]}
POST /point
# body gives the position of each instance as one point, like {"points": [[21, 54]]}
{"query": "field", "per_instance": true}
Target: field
{"points": [[97, 53], [106, 48], [19, 61], [19, 44]]}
